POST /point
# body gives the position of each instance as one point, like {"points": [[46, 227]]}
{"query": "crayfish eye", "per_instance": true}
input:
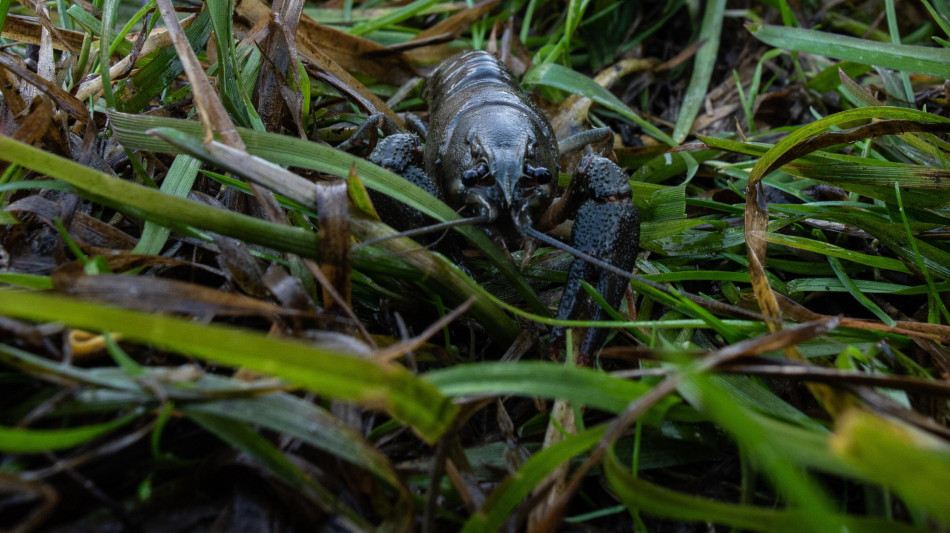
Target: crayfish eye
{"points": [[543, 176], [539, 175], [477, 176], [470, 177]]}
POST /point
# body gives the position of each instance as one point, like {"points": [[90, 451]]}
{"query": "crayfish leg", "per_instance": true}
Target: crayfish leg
{"points": [[366, 132], [607, 227], [600, 139]]}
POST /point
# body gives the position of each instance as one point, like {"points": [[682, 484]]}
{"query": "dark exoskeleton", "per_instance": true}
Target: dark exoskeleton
{"points": [[491, 152]]}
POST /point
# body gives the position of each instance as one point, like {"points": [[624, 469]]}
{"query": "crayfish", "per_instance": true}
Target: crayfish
{"points": [[492, 153]]}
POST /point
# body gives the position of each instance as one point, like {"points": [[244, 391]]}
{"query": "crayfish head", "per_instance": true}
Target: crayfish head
{"points": [[502, 166]]}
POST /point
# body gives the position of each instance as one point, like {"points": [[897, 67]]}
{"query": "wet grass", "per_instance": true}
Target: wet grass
{"points": [[205, 325]]}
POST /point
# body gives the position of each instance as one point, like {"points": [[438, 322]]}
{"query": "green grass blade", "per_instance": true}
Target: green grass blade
{"points": [[27, 281], [178, 182], [652, 499], [832, 250], [581, 386], [222, 15], [921, 264], [150, 204], [393, 17], [894, 236], [242, 437], [58, 373], [901, 57], [942, 17], [517, 487], [148, 82], [755, 440], [703, 65], [94, 26], [560, 77], [325, 372], [122, 45], [766, 163], [4, 9], [109, 12], [19, 440], [866, 286], [897, 456], [303, 420], [856, 293]]}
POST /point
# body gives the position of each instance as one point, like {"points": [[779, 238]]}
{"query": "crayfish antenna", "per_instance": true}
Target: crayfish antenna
{"points": [[528, 231], [441, 226], [706, 303]]}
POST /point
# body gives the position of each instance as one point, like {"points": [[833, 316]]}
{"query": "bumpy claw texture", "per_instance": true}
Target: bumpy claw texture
{"points": [[402, 154], [607, 226]]}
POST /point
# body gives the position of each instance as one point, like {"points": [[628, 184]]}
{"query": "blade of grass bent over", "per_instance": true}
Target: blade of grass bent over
{"points": [[640, 494], [560, 77], [756, 213], [183, 215], [289, 151], [333, 374], [266, 174], [150, 204]]}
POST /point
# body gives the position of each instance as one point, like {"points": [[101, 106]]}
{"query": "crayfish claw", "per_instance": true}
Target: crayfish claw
{"points": [[607, 227], [402, 154]]}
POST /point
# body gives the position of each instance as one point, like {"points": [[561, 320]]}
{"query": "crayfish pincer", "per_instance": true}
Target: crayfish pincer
{"points": [[492, 153]]}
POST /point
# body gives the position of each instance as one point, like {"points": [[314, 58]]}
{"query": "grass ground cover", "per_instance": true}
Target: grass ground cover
{"points": [[206, 326]]}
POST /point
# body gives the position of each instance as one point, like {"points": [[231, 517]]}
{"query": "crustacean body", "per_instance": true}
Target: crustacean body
{"points": [[492, 153]]}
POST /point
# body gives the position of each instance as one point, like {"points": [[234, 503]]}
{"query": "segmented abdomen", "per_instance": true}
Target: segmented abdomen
{"points": [[476, 80]]}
